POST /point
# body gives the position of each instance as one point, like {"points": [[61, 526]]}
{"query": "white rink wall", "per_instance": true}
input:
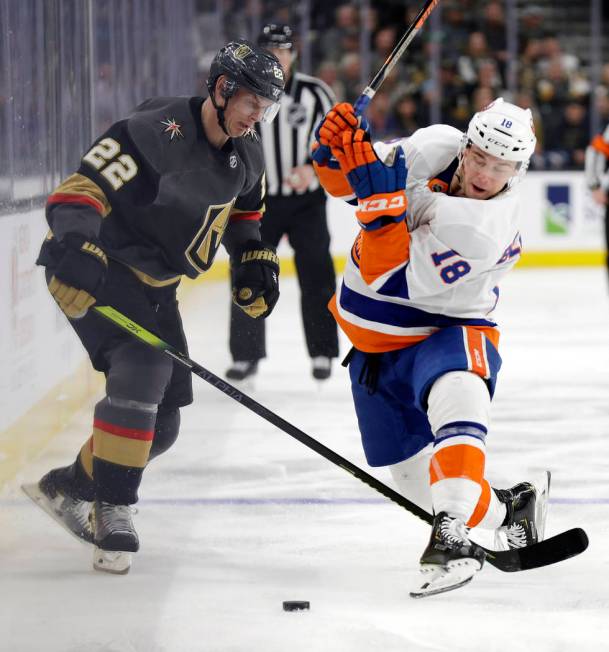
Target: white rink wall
{"points": [[37, 346]]}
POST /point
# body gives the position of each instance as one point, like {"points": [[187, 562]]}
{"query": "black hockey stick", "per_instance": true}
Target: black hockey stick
{"points": [[370, 91], [557, 548]]}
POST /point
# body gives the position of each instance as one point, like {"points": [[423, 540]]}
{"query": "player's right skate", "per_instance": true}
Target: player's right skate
{"points": [[51, 494], [115, 537], [450, 559]]}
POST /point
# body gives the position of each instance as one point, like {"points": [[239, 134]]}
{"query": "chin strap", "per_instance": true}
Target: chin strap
{"points": [[220, 112]]}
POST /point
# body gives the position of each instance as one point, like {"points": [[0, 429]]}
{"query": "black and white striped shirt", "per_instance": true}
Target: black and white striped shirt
{"points": [[287, 140]]}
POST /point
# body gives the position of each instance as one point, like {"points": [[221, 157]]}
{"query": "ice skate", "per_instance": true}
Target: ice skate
{"points": [[73, 514], [450, 559], [321, 367], [115, 537], [242, 369], [527, 507]]}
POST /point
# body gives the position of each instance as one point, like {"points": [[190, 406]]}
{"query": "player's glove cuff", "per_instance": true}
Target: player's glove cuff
{"points": [[333, 181], [381, 209]]}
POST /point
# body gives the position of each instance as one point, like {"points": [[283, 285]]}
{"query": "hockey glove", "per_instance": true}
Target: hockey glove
{"points": [[340, 117], [256, 279], [380, 188], [79, 275]]}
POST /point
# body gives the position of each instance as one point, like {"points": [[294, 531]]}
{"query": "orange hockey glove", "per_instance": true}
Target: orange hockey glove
{"points": [[380, 188]]}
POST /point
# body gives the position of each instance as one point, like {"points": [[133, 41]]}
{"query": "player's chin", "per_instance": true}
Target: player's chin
{"points": [[238, 130]]}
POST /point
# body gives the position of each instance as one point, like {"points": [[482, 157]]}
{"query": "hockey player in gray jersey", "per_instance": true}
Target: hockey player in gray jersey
{"points": [[151, 201]]}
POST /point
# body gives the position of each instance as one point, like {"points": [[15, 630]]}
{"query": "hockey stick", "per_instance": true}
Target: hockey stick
{"points": [[562, 546], [361, 104]]}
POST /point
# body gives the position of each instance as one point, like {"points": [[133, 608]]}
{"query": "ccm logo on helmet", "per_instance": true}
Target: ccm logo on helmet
{"points": [[492, 141], [382, 204]]}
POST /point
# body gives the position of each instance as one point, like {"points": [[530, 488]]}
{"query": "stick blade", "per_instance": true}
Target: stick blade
{"points": [[550, 551]]}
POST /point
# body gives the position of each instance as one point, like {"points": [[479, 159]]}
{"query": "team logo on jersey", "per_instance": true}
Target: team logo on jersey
{"points": [[172, 128], [297, 114], [232, 161]]}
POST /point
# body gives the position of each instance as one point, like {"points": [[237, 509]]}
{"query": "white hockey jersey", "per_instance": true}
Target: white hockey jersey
{"points": [[439, 268]]}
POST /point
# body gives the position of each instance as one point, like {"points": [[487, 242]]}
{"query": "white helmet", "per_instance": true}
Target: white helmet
{"points": [[504, 130]]}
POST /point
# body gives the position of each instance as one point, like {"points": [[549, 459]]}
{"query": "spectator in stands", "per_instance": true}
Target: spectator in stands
{"points": [[455, 30], [490, 78], [405, 120], [379, 113], [552, 50], [328, 73], [343, 36], [481, 97], [493, 26], [531, 25], [350, 75], [468, 64], [566, 143]]}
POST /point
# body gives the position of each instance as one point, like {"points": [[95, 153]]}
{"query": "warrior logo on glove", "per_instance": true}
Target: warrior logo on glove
{"points": [[256, 283]]}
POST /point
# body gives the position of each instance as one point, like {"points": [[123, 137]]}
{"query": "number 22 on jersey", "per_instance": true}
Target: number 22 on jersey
{"points": [[105, 158]]}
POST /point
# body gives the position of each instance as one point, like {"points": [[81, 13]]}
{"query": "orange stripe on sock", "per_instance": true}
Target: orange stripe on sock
{"points": [[459, 461], [483, 504]]}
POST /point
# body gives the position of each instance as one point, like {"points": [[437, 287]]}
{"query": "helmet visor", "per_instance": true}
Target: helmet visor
{"points": [[270, 112]]}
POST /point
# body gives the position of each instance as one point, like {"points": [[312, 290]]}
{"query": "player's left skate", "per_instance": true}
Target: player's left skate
{"points": [[450, 560], [52, 494], [527, 507]]}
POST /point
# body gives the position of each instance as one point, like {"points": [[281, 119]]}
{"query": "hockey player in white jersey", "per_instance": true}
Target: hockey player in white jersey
{"points": [[439, 229]]}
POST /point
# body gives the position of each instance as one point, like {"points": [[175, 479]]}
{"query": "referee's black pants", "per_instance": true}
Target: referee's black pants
{"points": [[303, 219]]}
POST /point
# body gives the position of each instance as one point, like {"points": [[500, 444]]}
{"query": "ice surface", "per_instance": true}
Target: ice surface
{"points": [[238, 516]]}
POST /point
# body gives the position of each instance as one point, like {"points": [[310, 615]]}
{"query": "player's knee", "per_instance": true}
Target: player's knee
{"points": [[412, 477], [458, 396], [138, 373], [166, 431]]}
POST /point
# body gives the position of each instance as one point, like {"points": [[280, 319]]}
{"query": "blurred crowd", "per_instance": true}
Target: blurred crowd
{"points": [[472, 63]]}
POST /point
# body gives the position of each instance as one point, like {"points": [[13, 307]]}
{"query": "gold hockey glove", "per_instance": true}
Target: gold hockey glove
{"points": [[79, 275]]}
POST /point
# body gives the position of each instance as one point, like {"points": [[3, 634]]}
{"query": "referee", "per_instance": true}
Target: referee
{"points": [[296, 207]]}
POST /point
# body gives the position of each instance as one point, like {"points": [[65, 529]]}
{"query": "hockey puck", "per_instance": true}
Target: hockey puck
{"points": [[296, 605]]}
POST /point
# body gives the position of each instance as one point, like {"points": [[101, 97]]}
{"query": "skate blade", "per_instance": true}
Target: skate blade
{"points": [[446, 578], [32, 491], [111, 561], [541, 504]]}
